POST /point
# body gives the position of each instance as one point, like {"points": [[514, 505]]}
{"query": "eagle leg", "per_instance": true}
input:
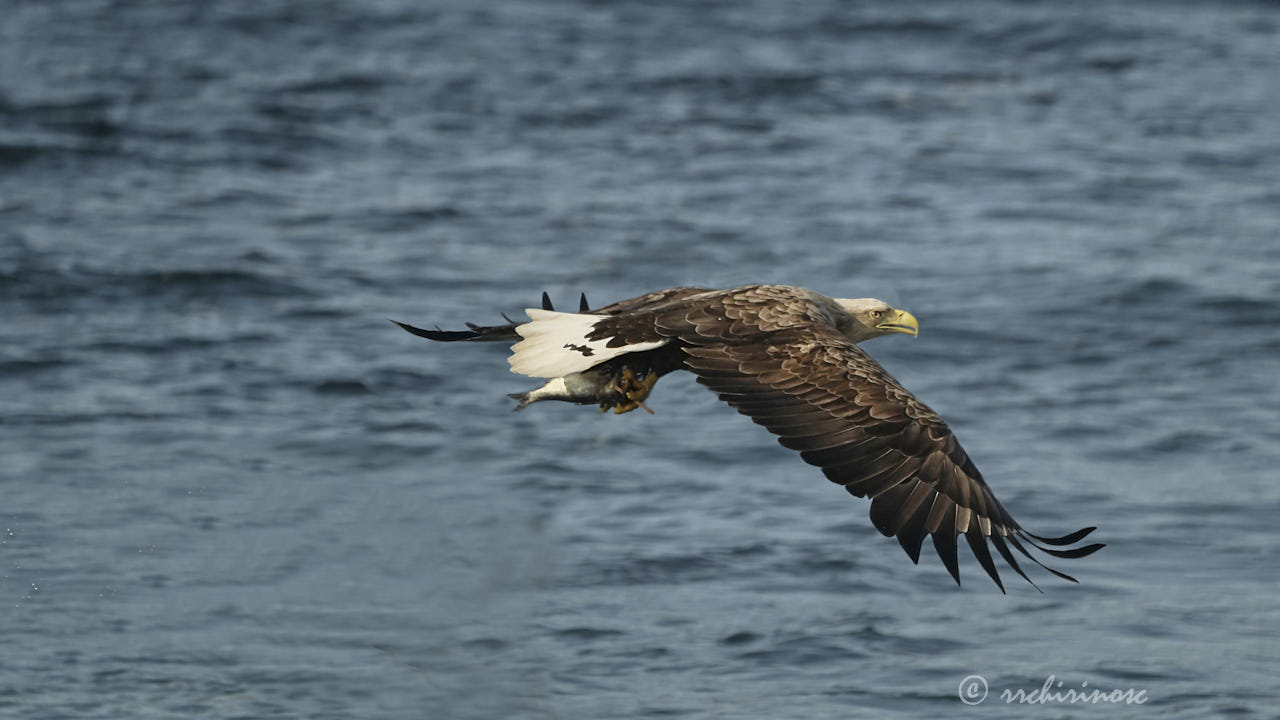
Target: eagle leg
{"points": [[633, 389]]}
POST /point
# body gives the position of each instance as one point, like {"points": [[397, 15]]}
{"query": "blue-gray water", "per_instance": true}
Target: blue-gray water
{"points": [[232, 489]]}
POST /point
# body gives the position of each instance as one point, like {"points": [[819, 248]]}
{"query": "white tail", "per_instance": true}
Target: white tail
{"points": [[555, 344]]}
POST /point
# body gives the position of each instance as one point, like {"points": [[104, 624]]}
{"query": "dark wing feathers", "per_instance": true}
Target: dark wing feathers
{"points": [[772, 353], [978, 545], [1068, 539], [944, 536], [507, 332], [827, 399], [472, 333]]}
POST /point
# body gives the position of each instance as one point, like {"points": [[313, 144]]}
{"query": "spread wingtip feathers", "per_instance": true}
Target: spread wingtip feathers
{"points": [[774, 353]]}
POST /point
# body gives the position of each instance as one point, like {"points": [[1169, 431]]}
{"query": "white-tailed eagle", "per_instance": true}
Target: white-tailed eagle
{"points": [[788, 358]]}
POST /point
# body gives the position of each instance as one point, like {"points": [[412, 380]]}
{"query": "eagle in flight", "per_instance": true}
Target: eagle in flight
{"points": [[788, 358]]}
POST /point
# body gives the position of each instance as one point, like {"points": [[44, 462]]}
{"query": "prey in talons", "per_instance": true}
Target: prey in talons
{"points": [[611, 386], [632, 391], [583, 370], [791, 360]]}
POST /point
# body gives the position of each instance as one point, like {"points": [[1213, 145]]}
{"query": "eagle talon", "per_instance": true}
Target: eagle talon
{"points": [[633, 391], [787, 358]]}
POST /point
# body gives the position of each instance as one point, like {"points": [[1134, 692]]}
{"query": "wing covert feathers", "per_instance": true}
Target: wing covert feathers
{"points": [[826, 398], [773, 352]]}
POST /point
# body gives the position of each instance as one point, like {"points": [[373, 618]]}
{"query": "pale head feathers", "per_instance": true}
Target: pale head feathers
{"points": [[868, 317]]}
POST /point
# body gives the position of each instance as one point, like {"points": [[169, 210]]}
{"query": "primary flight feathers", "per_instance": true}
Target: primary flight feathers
{"points": [[787, 358]]}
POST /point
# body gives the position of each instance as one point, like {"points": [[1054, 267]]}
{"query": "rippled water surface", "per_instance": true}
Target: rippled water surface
{"points": [[232, 489]]}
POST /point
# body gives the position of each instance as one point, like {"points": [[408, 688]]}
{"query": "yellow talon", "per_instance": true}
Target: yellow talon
{"points": [[633, 389], [643, 387]]}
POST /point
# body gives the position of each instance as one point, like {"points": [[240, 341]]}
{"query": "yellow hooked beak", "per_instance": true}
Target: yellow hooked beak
{"points": [[900, 321]]}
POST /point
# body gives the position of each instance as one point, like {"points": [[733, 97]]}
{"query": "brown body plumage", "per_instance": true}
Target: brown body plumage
{"points": [[787, 358]]}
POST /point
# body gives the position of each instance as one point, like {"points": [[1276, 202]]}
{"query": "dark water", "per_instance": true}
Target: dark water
{"points": [[231, 489]]}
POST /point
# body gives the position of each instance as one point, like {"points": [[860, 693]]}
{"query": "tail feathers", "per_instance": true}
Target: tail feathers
{"points": [[556, 344]]}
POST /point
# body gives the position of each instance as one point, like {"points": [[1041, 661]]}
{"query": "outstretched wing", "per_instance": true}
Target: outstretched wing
{"points": [[844, 413], [507, 332], [647, 301]]}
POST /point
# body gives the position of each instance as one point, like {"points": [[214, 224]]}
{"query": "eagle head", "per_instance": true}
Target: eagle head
{"points": [[869, 317]]}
